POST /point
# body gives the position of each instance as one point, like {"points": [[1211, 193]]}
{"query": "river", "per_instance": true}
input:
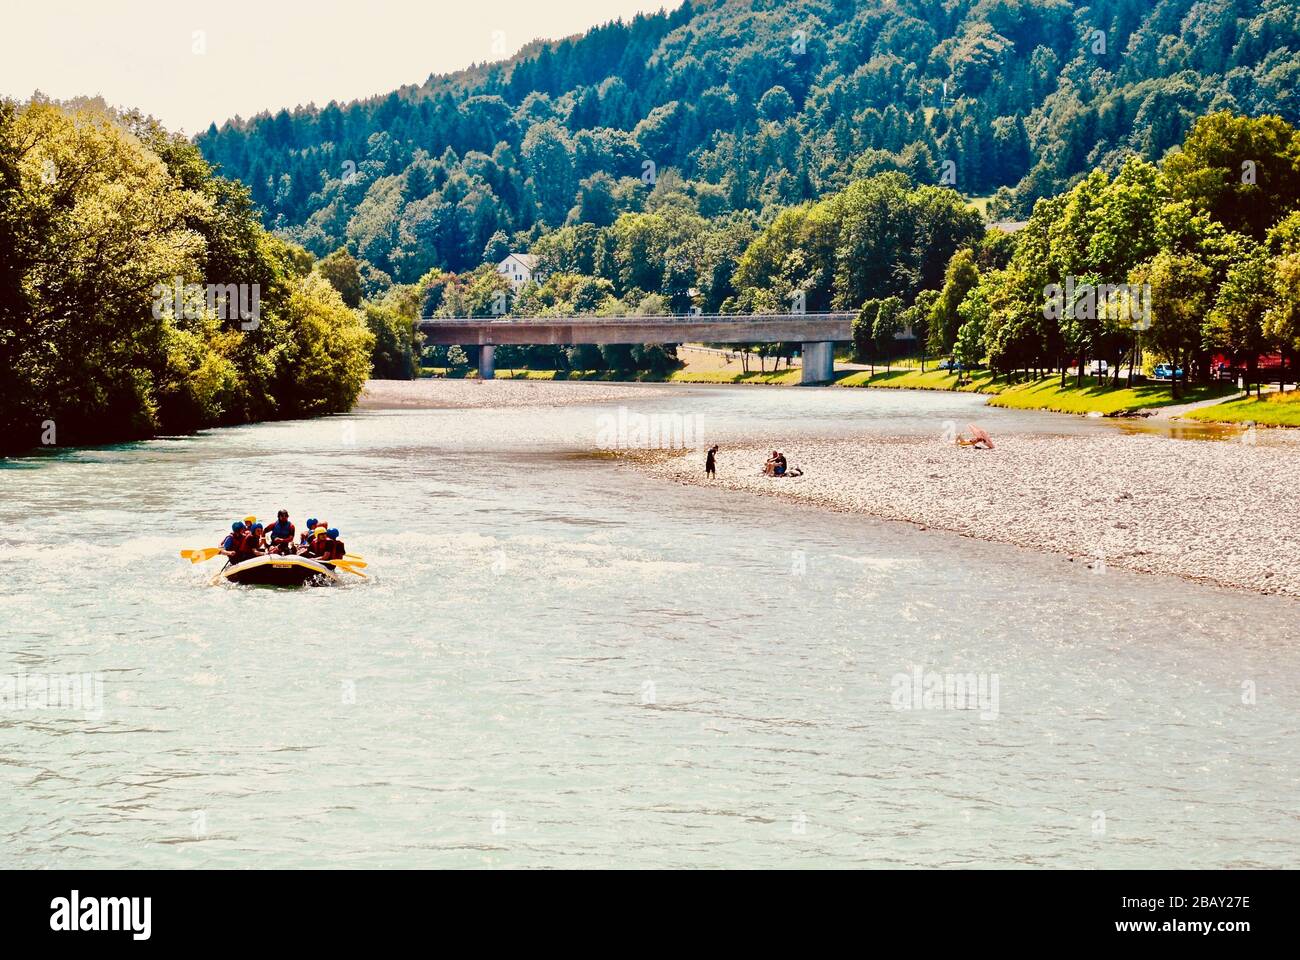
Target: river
{"points": [[559, 662]]}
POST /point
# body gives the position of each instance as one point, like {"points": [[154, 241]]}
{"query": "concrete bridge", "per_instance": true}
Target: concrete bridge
{"points": [[818, 332]]}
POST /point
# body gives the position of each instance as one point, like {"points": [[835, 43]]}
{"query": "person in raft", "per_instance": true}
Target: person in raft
{"points": [[314, 527], [337, 550], [281, 534], [234, 541], [711, 462], [318, 547], [239, 545]]}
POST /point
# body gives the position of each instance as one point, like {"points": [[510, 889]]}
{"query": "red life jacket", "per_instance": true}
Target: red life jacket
{"points": [[245, 546]]}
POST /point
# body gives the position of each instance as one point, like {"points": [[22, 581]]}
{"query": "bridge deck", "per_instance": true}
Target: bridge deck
{"points": [[708, 328]]}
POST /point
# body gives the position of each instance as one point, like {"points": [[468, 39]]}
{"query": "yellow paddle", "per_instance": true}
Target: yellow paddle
{"points": [[198, 556], [354, 557], [344, 565]]}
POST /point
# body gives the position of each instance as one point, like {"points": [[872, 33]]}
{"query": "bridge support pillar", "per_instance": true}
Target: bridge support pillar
{"points": [[486, 361], [818, 362]]}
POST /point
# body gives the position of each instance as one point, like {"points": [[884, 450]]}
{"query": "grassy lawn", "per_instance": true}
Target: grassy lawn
{"points": [[727, 376], [981, 380], [1273, 409], [1091, 398]]}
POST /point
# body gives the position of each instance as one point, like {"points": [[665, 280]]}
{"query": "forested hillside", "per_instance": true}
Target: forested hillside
{"points": [[752, 106]]}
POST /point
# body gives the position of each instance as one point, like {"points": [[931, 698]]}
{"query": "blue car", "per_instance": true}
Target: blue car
{"points": [[1164, 371]]}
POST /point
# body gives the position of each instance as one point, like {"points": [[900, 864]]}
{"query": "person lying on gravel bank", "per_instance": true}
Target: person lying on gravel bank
{"points": [[978, 438]]}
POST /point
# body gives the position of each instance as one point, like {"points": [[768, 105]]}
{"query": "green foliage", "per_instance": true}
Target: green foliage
{"points": [[564, 294], [396, 349], [343, 271], [880, 237], [1236, 322], [1282, 322], [972, 315], [960, 278], [864, 331], [1238, 170], [324, 357], [1177, 260], [102, 217], [889, 323], [586, 356]]}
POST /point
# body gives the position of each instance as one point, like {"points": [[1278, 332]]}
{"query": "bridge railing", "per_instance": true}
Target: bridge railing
{"points": [[674, 319]]}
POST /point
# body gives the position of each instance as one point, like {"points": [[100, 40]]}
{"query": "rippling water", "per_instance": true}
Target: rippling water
{"points": [[559, 662]]}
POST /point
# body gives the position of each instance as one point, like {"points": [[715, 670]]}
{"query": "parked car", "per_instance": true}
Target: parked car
{"points": [[952, 365], [1098, 368], [1164, 371]]}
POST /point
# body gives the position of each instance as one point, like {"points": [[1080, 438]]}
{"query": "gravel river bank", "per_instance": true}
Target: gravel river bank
{"points": [[1221, 512]]}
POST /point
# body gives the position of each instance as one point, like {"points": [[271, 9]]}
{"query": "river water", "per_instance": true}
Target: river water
{"points": [[560, 662]]}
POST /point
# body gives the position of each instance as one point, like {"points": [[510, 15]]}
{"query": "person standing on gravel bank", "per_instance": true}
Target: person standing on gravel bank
{"points": [[711, 463]]}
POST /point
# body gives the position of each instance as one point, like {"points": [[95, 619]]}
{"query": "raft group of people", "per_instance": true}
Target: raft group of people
{"points": [[249, 539]]}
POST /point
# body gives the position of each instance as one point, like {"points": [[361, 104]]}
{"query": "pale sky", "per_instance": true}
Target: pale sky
{"points": [[191, 63]]}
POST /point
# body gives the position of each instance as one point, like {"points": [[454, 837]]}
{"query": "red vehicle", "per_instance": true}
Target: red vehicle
{"points": [[1268, 367]]}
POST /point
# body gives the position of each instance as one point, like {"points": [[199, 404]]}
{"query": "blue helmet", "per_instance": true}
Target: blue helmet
{"points": [[237, 526], [332, 533], [311, 524]]}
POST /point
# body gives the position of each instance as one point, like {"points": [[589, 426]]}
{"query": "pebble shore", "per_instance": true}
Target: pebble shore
{"points": [[1219, 512]]}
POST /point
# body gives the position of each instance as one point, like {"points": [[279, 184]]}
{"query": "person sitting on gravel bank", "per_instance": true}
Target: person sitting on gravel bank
{"points": [[776, 466]]}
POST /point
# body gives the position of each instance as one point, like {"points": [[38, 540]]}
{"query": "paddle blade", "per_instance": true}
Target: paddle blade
{"points": [[353, 557], [344, 565], [198, 556]]}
